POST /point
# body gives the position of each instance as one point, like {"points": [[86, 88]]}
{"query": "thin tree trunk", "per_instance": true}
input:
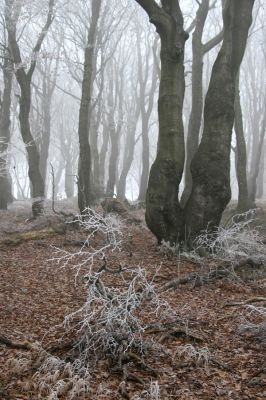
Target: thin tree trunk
{"points": [[24, 80], [241, 155], [260, 190], [128, 154], [103, 154], [5, 104], [69, 178], [198, 50], [256, 168], [146, 111]]}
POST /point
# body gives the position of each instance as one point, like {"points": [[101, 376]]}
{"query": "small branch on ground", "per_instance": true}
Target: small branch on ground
{"points": [[220, 272], [16, 345], [244, 303]]}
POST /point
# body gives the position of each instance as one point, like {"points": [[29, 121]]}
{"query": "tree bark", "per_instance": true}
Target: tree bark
{"points": [[128, 152], [241, 155], [146, 111], [5, 104], [198, 51], [163, 212], [210, 167], [24, 80], [260, 190], [84, 169], [256, 167]]}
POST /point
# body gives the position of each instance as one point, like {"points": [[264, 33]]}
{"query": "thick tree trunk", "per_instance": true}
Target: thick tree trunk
{"points": [[12, 12], [241, 155], [210, 167], [163, 212], [198, 50], [197, 97], [84, 170], [5, 104]]}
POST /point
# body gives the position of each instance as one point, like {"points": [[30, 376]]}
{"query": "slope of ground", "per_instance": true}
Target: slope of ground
{"points": [[202, 355]]}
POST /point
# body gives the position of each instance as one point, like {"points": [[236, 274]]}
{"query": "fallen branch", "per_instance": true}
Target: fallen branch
{"points": [[15, 239], [220, 272], [16, 345], [244, 303]]}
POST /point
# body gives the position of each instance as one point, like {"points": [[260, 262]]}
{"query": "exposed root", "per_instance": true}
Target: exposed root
{"points": [[220, 272], [17, 345], [244, 303]]}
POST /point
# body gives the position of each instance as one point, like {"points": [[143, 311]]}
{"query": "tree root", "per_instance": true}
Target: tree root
{"points": [[174, 329], [15, 239], [17, 345], [243, 303], [181, 332], [220, 272]]}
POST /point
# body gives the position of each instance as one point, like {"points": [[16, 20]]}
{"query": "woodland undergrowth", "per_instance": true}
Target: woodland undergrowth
{"points": [[110, 326]]}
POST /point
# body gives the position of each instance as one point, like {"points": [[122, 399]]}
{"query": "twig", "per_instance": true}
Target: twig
{"points": [[243, 303]]}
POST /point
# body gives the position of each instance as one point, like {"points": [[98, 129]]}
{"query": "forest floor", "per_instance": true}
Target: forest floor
{"points": [[201, 353]]}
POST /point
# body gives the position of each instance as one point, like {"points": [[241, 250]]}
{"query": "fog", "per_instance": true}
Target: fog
{"points": [[123, 109]]}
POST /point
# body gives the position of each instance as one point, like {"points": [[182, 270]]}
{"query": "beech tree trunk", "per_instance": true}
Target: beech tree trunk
{"points": [[164, 215], [12, 12], [103, 154], [112, 168], [210, 167], [260, 185], [5, 104], [256, 167], [146, 108], [128, 152], [198, 51], [84, 169], [241, 155]]}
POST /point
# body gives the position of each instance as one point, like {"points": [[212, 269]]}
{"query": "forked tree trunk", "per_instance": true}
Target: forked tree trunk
{"points": [[210, 167], [163, 212], [84, 169]]}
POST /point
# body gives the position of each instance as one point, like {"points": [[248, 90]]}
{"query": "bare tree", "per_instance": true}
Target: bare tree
{"points": [[199, 50], [84, 173], [210, 166], [5, 105], [24, 78]]}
